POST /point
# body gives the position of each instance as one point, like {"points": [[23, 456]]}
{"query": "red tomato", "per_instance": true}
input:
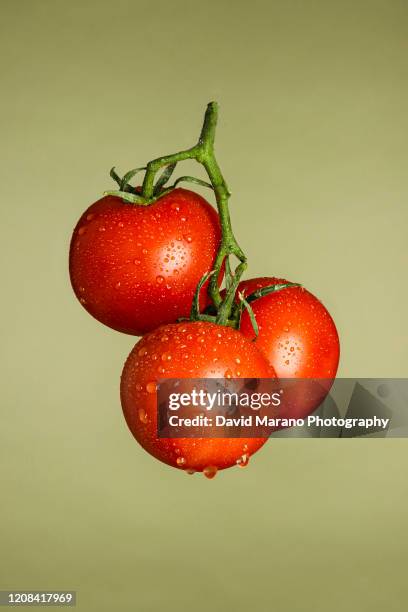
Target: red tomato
{"points": [[136, 267], [188, 350], [299, 338]]}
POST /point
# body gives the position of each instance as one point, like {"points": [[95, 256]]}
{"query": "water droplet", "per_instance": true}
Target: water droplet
{"points": [[101, 229], [286, 329], [82, 289], [164, 338], [141, 352], [120, 224], [175, 206], [188, 238], [189, 471], [243, 460], [245, 448], [90, 217], [117, 285], [166, 357], [151, 387], [82, 300], [228, 373], [183, 219], [142, 415], [237, 360], [210, 471], [237, 373], [81, 231], [159, 279], [180, 461], [136, 262], [144, 251]]}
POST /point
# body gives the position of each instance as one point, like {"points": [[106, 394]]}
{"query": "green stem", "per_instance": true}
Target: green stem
{"points": [[203, 152], [224, 310], [154, 166]]}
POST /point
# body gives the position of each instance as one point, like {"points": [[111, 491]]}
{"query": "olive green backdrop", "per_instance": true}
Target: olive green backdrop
{"points": [[313, 142]]}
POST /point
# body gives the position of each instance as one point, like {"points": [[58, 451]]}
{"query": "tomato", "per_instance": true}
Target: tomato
{"points": [[188, 350], [299, 338], [136, 267]]}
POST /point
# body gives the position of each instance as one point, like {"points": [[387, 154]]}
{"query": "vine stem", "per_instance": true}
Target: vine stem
{"points": [[224, 309], [203, 153]]}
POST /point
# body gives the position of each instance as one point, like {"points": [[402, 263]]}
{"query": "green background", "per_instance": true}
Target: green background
{"points": [[313, 142]]}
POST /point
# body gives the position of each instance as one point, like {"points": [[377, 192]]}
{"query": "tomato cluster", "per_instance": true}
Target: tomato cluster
{"points": [[138, 261]]}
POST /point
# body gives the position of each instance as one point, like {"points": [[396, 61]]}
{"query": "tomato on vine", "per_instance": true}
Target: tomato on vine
{"points": [[188, 350], [135, 267], [298, 336], [295, 331]]}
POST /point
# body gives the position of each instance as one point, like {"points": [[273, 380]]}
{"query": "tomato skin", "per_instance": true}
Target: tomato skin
{"points": [[188, 350], [135, 267], [299, 338], [294, 319]]}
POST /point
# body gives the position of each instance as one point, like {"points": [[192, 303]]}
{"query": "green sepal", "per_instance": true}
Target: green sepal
{"points": [[251, 314], [123, 182], [263, 291], [132, 198], [164, 177], [115, 176], [128, 176], [195, 306], [191, 179]]}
